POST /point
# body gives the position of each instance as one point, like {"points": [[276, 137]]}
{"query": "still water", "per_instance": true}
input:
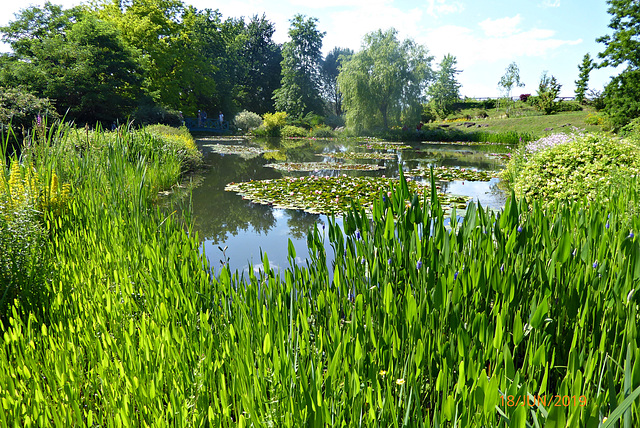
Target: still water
{"points": [[225, 220]]}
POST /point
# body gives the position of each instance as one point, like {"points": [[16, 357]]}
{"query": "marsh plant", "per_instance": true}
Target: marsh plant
{"points": [[421, 320]]}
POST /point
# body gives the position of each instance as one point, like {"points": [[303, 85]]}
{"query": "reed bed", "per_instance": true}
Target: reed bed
{"points": [[425, 321]]}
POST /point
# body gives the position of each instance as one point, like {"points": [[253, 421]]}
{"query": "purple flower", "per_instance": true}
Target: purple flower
{"points": [[384, 198], [595, 264], [362, 261], [455, 276], [389, 262], [502, 268], [631, 235], [519, 229], [418, 265], [358, 234], [607, 225]]}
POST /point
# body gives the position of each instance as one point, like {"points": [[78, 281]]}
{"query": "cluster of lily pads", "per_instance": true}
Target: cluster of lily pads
{"points": [[385, 145], [445, 173], [320, 166], [325, 195], [358, 155], [236, 149]]}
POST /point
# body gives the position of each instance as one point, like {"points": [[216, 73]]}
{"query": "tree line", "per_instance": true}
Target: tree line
{"points": [[158, 60]]}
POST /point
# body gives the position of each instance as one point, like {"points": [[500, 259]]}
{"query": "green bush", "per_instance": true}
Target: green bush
{"points": [[247, 120], [20, 109], [322, 131], [271, 125], [575, 167], [290, 131], [150, 113]]}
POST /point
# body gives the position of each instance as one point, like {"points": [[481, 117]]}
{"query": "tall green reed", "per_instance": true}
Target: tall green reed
{"points": [[425, 321]]}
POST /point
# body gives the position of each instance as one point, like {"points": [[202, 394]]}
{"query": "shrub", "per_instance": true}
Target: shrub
{"points": [[568, 168], [334, 121], [290, 131], [322, 131], [524, 97], [20, 109], [272, 124], [150, 113], [247, 120]]}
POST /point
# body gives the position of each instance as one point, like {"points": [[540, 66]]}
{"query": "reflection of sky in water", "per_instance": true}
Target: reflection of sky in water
{"points": [[225, 219], [243, 248]]}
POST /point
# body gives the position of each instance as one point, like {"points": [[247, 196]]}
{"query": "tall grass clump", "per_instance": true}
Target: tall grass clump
{"points": [[421, 320]]}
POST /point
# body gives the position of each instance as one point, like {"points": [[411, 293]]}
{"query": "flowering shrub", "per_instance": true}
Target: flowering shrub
{"points": [[572, 167], [524, 97], [247, 120]]}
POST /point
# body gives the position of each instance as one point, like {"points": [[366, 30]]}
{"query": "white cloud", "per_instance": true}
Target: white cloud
{"points": [[550, 3], [442, 7], [500, 27], [347, 28]]}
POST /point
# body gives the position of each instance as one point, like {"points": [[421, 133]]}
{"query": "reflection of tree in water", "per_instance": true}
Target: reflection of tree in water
{"points": [[300, 222], [218, 213]]}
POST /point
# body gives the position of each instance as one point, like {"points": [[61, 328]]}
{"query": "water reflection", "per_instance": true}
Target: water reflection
{"points": [[225, 219]]}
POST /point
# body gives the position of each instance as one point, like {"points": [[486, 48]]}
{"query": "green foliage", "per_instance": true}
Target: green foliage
{"points": [[291, 131], [385, 82], [462, 314], [272, 124], [149, 113], [322, 131], [548, 91], [582, 84], [572, 169], [247, 120], [259, 63], [20, 109], [330, 70], [510, 79], [445, 89], [75, 59], [621, 100], [299, 92]]}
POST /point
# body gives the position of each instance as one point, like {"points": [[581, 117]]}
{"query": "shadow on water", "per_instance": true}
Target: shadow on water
{"points": [[224, 219]]}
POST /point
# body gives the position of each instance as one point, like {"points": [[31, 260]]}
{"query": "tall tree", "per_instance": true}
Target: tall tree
{"points": [[330, 71], [582, 84], [259, 59], [73, 58], [299, 92], [622, 94], [385, 82], [445, 90]]}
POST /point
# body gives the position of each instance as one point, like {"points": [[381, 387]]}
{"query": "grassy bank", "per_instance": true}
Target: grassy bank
{"points": [[420, 325]]}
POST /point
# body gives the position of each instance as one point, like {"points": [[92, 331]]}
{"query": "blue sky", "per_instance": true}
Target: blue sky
{"points": [[484, 35]]}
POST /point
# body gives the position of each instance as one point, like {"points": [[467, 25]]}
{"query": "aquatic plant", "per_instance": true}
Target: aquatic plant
{"points": [[445, 173], [315, 194], [319, 166], [357, 155]]}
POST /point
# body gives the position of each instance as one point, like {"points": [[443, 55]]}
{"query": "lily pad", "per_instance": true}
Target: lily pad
{"points": [[235, 149], [358, 155], [319, 166], [324, 195], [385, 145], [444, 173]]}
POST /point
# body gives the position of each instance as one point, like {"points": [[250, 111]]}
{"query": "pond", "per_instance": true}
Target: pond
{"points": [[227, 221]]}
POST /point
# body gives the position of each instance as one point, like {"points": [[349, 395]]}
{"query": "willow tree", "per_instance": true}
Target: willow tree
{"points": [[385, 83]]}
